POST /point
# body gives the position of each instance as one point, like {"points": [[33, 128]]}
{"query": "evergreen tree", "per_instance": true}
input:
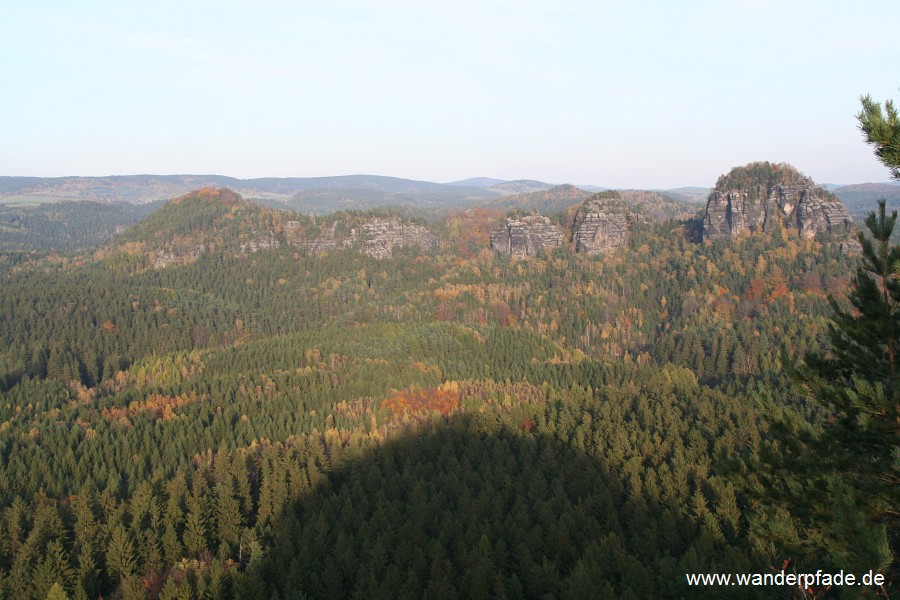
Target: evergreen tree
{"points": [[882, 130], [57, 592], [120, 554], [853, 457]]}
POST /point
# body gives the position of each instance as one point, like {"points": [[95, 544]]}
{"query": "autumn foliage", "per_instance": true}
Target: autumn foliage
{"points": [[440, 399]]}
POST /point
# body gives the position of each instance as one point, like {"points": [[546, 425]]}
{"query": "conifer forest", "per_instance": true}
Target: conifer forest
{"points": [[564, 395]]}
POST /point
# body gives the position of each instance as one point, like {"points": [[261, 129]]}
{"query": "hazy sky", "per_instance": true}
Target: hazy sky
{"points": [[621, 94]]}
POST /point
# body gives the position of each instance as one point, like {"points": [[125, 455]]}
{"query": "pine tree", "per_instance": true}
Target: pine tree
{"points": [[57, 593], [882, 130], [840, 473], [858, 386], [227, 513], [120, 554]]}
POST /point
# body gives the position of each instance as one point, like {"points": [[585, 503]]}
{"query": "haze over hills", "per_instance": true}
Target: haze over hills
{"points": [[321, 195], [365, 376], [284, 353], [860, 198], [483, 182], [144, 188], [279, 372]]}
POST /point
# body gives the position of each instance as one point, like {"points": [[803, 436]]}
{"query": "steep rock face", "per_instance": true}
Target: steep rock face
{"points": [[759, 195], [330, 239], [376, 237], [381, 236], [601, 226], [526, 236], [822, 214]]}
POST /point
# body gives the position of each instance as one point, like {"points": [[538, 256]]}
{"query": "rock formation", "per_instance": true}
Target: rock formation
{"points": [[526, 236], [380, 237], [602, 224], [759, 195], [376, 237]]}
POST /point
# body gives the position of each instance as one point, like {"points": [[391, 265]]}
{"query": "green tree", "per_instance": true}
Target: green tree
{"points": [[57, 592], [882, 130], [850, 458], [839, 471], [120, 554]]}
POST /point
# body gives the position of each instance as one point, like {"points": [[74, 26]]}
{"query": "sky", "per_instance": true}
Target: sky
{"points": [[630, 94]]}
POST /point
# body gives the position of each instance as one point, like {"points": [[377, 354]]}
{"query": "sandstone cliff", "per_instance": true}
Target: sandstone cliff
{"points": [[526, 236], [758, 196], [381, 236], [218, 220], [599, 225], [602, 224], [377, 237]]}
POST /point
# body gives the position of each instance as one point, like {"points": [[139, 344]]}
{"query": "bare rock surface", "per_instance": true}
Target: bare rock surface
{"points": [[526, 236], [381, 236], [758, 196], [602, 225], [376, 237]]}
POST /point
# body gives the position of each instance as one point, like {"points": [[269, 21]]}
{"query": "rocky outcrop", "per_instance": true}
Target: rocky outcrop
{"points": [[261, 242], [526, 236], [381, 236], [758, 196], [602, 225], [821, 214], [178, 256], [331, 238], [376, 237]]}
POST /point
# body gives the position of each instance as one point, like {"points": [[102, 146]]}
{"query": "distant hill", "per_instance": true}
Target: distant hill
{"points": [[315, 194], [218, 220], [862, 198], [322, 195], [520, 186], [133, 189], [548, 201], [482, 182], [655, 205], [659, 206], [326, 200], [695, 195]]}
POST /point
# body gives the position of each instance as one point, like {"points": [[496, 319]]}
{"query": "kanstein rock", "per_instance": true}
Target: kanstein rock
{"points": [[526, 236], [760, 195], [377, 237]]}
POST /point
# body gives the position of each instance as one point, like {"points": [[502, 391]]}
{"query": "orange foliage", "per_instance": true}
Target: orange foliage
{"points": [[755, 290], [440, 400], [780, 289], [723, 308], [472, 227], [162, 406]]}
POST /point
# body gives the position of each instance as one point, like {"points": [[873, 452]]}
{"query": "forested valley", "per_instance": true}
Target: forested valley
{"points": [[264, 419]]}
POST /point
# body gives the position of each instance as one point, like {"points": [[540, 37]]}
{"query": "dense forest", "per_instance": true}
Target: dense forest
{"points": [[65, 226], [262, 419]]}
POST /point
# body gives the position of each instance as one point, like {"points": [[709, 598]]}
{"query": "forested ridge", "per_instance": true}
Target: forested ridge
{"points": [[64, 226], [265, 420]]}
